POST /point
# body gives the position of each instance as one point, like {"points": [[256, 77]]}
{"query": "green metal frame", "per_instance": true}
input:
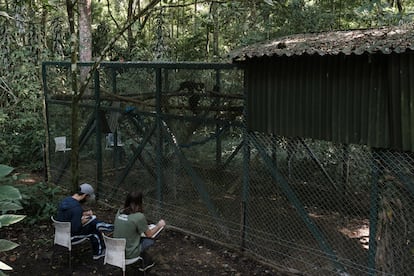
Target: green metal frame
{"points": [[291, 195], [160, 127]]}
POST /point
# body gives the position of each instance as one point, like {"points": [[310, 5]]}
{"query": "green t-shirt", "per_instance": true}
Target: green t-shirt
{"points": [[130, 227]]}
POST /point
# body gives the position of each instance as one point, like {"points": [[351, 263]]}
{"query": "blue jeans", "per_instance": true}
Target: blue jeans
{"points": [[146, 243]]}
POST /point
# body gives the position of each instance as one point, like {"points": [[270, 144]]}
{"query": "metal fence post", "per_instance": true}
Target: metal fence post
{"points": [[158, 91], [218, 138], [98, 133], [245, 191], [373, 216]]}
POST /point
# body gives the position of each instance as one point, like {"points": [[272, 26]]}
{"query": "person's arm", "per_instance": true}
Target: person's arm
{"points": [[76, 221], [150, 232]]}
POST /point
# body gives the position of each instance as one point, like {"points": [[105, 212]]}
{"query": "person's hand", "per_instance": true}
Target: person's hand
{"points": [[161, 223], [85, 219]]}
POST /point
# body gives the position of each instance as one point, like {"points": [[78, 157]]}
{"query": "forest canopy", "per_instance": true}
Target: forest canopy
{"points": [[33, 31]]}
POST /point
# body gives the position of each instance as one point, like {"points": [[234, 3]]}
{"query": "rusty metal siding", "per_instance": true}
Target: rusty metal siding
{"points": [[385, 40], [362, 99]]}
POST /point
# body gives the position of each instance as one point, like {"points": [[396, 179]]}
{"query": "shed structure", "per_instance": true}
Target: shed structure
{"points": [[354, 91], [344, 86], [320, 183]]}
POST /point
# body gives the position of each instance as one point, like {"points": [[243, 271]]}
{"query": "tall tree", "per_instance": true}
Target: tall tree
{"points": [[130, 35], [78, 91], [75, 94], [216, 27], [85, 34]]}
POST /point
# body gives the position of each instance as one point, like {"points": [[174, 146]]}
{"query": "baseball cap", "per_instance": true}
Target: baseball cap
{"points": [[86, 188]]}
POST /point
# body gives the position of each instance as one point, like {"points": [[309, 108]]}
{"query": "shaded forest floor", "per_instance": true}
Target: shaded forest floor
{"points": [[178, 254]]}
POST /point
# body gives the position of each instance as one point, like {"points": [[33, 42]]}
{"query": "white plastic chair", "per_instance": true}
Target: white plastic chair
{"points": [[110, 140], [64, 238], [115, 253], [60, 143]]}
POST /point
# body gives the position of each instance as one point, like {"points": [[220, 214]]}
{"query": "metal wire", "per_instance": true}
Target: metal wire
{"points": [[309, 206]]}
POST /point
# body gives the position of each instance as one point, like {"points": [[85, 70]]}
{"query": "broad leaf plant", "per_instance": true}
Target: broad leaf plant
{"points": [[9, 203]]}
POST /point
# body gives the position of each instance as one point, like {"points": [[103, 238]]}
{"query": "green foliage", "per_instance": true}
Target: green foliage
{"points": [[5, 171], [9, 198], [22, 44], [181, 30], [40, 201], [6, 220], [9, 201], [6, 245]]}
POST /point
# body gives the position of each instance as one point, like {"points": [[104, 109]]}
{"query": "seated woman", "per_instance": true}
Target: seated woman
{"points": [[130, 223]]}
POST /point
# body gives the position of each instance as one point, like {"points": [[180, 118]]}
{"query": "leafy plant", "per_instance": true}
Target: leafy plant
{"points": [[39, 201], [9, 201]]}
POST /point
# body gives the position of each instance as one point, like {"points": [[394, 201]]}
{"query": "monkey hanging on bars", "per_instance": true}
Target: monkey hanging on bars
{"points": [[194, 89]]}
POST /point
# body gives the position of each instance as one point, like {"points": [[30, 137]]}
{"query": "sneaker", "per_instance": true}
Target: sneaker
{"points": [[146, 266], [147, 261], [97, 257]]}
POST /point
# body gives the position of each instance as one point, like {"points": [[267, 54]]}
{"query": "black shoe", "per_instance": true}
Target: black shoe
{"points": [[147, 261]]}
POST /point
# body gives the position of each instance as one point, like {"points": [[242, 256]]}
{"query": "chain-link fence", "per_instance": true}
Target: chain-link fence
{"points": [[176, 132]]}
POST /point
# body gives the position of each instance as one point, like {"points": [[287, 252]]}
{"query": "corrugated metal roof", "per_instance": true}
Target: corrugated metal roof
{"points": [[389, 39]]}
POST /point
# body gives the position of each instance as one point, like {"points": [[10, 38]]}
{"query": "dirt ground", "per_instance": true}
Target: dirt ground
{"points": [[178, 254]]}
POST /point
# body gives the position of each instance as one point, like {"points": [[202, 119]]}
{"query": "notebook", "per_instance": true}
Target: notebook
{"points": [[150, 226]]}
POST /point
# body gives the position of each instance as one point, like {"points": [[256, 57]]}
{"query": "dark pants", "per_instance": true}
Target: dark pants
{"points": [[93, 231], [146, 243]]}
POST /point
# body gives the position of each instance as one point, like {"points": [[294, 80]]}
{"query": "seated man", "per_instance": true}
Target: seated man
{"points": [[83, 222]]}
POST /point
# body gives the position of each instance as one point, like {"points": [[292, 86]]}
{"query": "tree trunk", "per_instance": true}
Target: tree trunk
{"points": [[214, 11], [394, 250], [77, 91], [75, 99], [129, 30], [85, 35]]}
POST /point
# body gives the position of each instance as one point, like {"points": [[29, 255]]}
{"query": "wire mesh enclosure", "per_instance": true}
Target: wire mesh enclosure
{"points": [[177, 132]]}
